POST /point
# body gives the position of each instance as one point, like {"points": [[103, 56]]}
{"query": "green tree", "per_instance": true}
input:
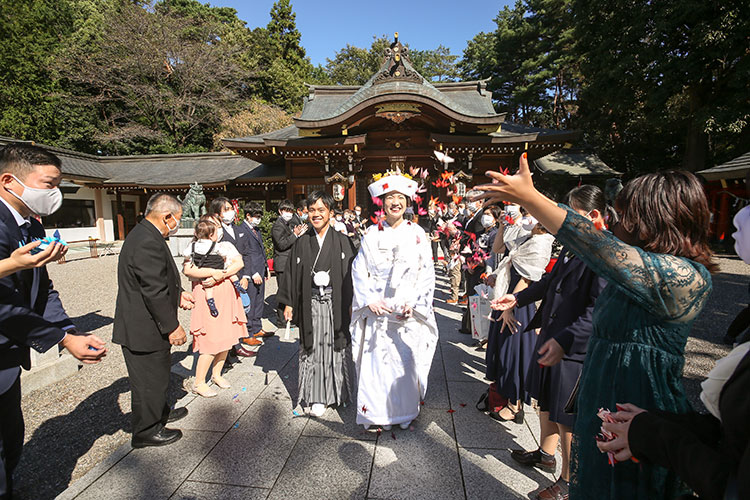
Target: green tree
{"points": [[280, 65], [665, 83], [31, 107], [436, 64], [159, 81]]}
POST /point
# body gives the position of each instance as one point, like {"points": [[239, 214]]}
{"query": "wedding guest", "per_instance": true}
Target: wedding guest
{"points": [[213, 334], [222, 209], [300, 217], [317, 297], [657, 265], [510, 344], [394, 333], [31, 313], [149, 293], [283, 236], [255, 271], [568, 295], [711, 453]]}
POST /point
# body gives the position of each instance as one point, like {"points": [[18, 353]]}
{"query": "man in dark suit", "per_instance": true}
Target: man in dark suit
{"points": [[146, 326], [31, 314], [283, 235], [255, 272]]}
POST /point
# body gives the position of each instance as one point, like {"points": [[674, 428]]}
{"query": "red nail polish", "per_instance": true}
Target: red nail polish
{"points": [[524, 156]]}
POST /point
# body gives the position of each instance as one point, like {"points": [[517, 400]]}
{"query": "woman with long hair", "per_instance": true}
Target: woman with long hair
{"points": [[657, 265]]}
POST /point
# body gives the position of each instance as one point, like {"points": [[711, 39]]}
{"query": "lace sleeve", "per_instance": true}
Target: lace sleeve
{"points": [[674, 288]]}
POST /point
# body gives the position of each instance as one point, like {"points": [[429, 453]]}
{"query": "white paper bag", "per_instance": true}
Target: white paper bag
{"points": [[479, 310]]}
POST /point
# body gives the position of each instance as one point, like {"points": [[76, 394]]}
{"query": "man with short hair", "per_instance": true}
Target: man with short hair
{"points": [[316, 291], [283, 235], [250, 246], [31, 314], [146, 325], [301, 216]]}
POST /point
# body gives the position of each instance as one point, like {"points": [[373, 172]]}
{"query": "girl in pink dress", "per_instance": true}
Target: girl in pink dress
{"points": [[213, 336]]}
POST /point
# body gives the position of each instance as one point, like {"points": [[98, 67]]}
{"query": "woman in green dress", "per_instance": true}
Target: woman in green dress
{"points": [[657, 266]]}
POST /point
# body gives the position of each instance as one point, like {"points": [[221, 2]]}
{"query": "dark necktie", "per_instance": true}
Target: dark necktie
{"points": [[27, 276], [25, 232]]}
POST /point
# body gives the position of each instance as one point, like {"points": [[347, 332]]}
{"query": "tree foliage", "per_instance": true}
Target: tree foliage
{"points": [[354, 65], [258, 118], [651, 84]]}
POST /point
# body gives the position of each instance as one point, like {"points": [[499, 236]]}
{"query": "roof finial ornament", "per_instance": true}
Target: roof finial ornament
{"points": [[395, 65]]}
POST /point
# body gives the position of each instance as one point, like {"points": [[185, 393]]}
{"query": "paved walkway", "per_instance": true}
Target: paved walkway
{"points": [[248, 442]]}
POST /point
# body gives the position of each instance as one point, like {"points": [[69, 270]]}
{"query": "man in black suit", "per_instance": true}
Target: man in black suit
{"points": [[146, 326], [31, 314], [255, 272], [283, 235]]}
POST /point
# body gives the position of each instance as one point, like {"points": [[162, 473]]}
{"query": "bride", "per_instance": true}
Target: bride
{"points": [[394, 333]]}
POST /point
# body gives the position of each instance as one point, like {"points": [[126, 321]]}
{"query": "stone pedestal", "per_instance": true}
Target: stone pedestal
{"points": [[48, 368], [179, 241]]}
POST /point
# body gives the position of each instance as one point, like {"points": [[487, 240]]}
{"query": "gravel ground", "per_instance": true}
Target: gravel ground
{"points": [[73, 425]]}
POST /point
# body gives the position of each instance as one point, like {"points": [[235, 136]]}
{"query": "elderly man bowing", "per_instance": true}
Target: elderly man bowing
{"points": [[146, 325]]}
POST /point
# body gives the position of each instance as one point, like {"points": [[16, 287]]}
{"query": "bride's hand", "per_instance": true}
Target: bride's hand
{"points": [[517, 188], [380, 308]]}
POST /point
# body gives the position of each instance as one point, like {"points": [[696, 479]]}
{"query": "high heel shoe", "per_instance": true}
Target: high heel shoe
{"points": [[516, 418]]}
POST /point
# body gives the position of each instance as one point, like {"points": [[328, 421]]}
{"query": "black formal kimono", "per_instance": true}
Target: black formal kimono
{"points": [[322, 314], [569, 292]]}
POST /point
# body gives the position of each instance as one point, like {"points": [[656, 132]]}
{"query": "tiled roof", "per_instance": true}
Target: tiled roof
{"points": [[177, 170], [567, 162], [151, 170], [466, 98], [733, 169]]}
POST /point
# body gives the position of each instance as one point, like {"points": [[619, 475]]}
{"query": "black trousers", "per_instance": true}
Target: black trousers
{"points": [[254, 312], [11, 437], [149, 383], [279, 308]]}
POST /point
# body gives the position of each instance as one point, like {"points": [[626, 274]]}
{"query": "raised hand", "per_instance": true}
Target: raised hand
{"points": [[515, 188]]}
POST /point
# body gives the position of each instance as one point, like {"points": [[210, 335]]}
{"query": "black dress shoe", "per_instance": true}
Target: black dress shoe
{"points": [[534, 459], [241, 352], [162, 438], [177, 414]]}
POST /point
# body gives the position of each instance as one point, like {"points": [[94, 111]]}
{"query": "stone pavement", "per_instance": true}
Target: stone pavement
{"points": [[248, 442]]}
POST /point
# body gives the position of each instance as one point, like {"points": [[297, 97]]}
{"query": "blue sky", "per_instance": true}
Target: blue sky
{"points": [[328, 25]]}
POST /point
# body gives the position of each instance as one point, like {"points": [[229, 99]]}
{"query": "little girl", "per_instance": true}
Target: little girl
{"points": [[213, 334], [206, 252]]}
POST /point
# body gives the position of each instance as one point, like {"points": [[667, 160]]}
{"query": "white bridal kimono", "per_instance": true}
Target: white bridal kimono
{"points": [[393, 356]]}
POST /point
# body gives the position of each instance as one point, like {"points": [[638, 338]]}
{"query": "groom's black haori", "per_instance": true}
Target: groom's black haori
{"points": [[296, 289]]}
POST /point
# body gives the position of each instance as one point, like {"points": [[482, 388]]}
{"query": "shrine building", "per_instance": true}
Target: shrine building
{"points": [[398, 119]]}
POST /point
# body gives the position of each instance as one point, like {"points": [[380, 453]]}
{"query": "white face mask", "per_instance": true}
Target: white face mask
{"points": [[358, 212], [219, 233], [303, 217], [42, 202], [228, 216], [742, 236], [338, 218], [254, 221], [488, 220], [287, 216], [171, 231]]}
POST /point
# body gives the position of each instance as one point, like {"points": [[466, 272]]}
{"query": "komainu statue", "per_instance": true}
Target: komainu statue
{"points": [[194, 204]]}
